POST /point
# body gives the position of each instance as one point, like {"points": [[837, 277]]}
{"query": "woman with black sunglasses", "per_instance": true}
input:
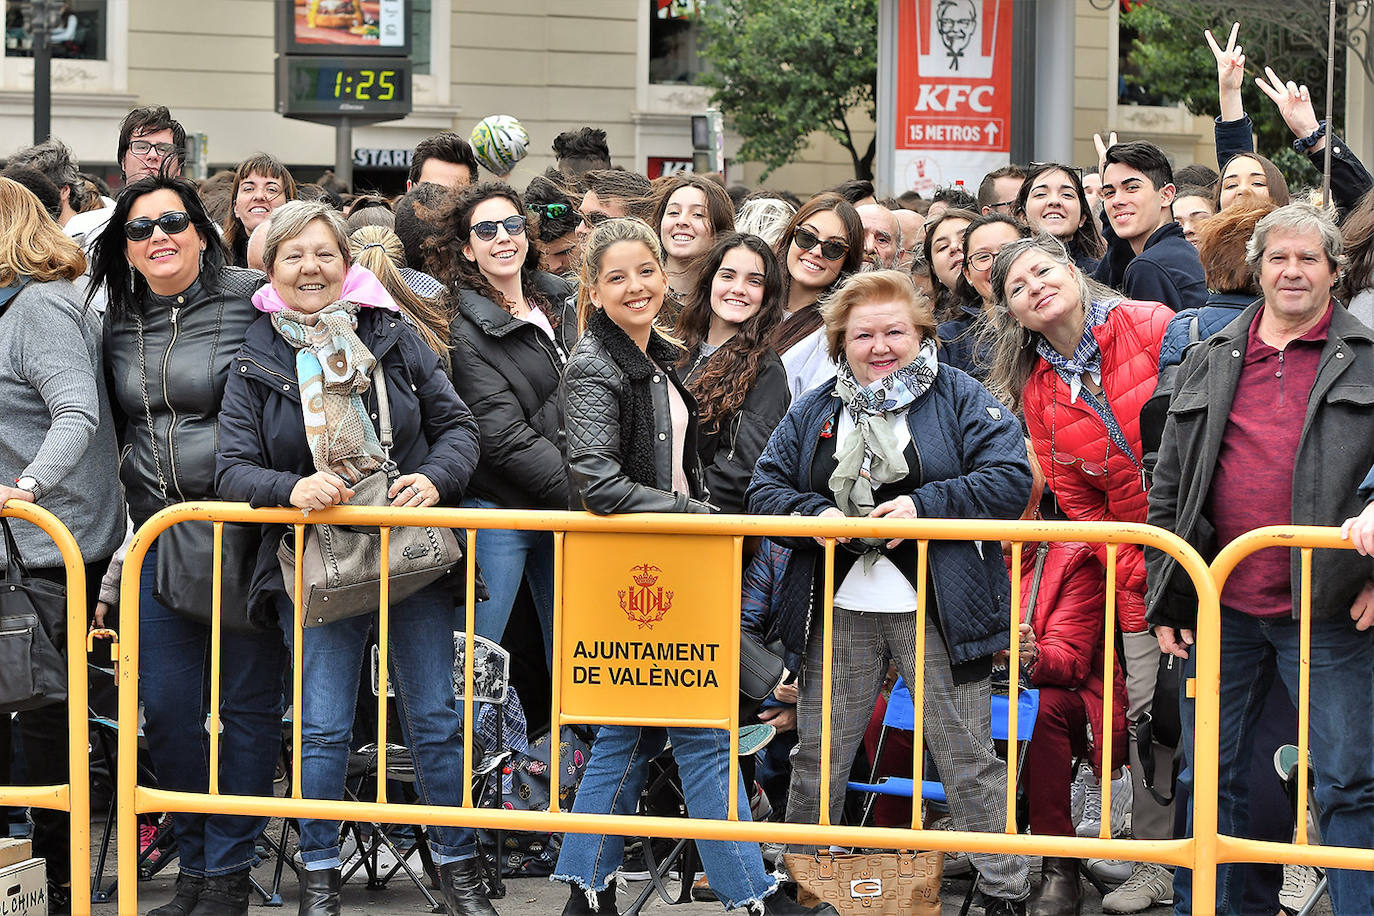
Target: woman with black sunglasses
{"points": [[177, 314], [821, 246], [511, 330]]}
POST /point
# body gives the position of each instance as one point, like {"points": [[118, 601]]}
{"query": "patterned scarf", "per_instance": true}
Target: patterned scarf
{"points": [[1086, 359], [333, 368], [871, 456]]}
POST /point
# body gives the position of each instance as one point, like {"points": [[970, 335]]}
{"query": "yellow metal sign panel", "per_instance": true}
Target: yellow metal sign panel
{"points": [[649, 628]]}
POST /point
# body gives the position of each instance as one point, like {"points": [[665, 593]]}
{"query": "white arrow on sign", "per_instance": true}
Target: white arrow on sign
{"points": [[992, 130]]}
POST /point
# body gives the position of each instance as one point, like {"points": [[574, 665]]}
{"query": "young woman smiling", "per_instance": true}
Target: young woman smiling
{"points": [[261, 185], [511, 332], [963, 339], [944, 248], [631, 444], [821, 246], [736, 377], [691, 211], [1052, 201]]}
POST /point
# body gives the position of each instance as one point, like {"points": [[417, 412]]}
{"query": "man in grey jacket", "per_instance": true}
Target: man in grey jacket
{"points": [[1267, 427]]}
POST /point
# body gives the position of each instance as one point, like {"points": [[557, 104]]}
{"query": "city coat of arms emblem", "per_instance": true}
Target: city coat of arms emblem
{"points": [[645, 602]]}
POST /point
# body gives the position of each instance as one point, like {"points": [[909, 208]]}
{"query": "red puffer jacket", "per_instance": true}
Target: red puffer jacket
{"points": [[1071, 440], [1069, 618]]}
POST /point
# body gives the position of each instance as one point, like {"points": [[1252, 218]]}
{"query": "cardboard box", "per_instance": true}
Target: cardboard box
{"points": [[24, 889], [13, 851]]}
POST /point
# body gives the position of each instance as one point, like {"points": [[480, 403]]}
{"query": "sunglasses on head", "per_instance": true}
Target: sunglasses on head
{"points": [[805, 239], [136, 230], [486, 229], [548, 211]]}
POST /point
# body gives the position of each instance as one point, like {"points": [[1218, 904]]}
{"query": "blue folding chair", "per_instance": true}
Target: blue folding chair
{"points": [[901, 714]]}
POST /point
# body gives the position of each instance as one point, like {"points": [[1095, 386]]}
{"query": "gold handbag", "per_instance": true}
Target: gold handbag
{"points": [[886, 883]]}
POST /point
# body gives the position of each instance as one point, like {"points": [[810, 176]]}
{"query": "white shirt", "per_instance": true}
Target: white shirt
{"points": [[808, 363], [882, 589]]}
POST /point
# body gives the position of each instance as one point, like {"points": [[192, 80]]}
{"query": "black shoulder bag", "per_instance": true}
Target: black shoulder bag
{"points": [[33, 630]]}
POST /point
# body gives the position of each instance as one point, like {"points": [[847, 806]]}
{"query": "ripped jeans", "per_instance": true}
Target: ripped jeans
{"points": [[615, 777]]}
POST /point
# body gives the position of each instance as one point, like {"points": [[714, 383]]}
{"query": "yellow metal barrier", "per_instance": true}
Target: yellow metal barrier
{"points": [[1234, 849], [573, 535], [73, 796]]}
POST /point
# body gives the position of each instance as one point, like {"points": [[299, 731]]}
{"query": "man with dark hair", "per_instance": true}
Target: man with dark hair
{"points": [[1148, 257], [580, 151], [445, 159], [998, 189], [856, 190], [612, 193], [151, 141], [1264, 430], [950, 198], [54, 159], [556, 219], [417, 220]]}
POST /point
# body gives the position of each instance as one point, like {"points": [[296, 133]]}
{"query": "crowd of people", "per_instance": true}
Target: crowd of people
{"points": [[1126, 342]]}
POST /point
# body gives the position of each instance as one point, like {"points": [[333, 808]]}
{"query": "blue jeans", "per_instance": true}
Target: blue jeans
{"points": [[507, 557], [1253, 651], [421, 663], [614, 779], [174, 671]]}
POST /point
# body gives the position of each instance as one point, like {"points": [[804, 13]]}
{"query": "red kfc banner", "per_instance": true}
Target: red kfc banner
{"points": [[953, 91]]}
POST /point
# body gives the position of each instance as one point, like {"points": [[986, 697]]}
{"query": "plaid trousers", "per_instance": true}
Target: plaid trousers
{"points": [[958, 732]]}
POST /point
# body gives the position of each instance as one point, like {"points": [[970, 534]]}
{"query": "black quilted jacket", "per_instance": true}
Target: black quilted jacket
{"points": [[595, 385]]}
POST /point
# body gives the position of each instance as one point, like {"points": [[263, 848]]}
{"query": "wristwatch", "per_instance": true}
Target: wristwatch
{"points": [[28, 482]]}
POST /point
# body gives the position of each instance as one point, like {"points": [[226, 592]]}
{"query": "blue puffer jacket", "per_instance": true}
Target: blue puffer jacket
{"points": [[971, 459], [1221, 309]]}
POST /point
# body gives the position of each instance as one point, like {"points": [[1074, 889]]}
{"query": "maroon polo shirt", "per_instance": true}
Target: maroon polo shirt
{"points": [[1253, 483]]}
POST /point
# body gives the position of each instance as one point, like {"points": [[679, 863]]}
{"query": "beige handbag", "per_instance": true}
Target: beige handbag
{"points": [[341, 564], [886, 883]]}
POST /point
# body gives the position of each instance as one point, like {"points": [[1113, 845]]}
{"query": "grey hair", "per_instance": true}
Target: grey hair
{"points": [[1297, 219], [766, 217], [290, 219], [55, 159]]}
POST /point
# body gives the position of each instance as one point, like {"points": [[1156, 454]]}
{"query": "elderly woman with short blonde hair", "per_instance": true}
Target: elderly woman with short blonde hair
{"points": [[896, 434]]}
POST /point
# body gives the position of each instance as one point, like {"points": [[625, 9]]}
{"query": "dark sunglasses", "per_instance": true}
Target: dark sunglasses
{"points": [[136, 230], [805, 239], [548, 211], [486, 229]]}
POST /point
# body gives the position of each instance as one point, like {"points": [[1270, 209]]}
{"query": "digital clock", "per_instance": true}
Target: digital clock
{"points": [[365, 87]]}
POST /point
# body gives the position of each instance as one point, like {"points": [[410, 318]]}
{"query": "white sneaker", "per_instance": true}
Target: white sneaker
{"points": [[1299, 884], [1076, 792], [1111, 872], [1090, 822], [1122, 797], [1149, 885]]}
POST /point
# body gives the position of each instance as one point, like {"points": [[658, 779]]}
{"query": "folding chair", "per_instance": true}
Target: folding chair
{"points": [[901, 714]]}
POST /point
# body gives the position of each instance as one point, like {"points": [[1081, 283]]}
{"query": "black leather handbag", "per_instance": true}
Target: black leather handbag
{"points": [[33, 630], [184, 575], [761, 670]]}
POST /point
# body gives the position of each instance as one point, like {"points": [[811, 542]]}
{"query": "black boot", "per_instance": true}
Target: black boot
{"points": [[1059, 893], [320, 892], [187, 894], [224, 895], [461, 884], [779, 904], [578, 904]]}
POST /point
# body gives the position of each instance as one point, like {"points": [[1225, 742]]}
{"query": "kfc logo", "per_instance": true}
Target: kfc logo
{"points": [[957, 38]]}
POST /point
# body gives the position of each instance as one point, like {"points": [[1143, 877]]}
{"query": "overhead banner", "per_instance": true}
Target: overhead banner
{"points": [[953, 92]]}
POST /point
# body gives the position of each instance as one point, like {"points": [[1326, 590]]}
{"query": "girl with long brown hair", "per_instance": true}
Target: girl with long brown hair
{"points": [[730, 367]]}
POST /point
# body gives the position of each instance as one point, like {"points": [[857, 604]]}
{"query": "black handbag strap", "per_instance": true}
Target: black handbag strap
{"points": [[15, 570]]}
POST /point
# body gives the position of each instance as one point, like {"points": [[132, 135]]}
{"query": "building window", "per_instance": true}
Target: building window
{"points": [[76, 29], [421, 13], [674, 41]]}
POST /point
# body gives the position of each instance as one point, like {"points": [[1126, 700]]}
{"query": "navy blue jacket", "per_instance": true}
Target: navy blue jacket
{"points": [[262, 446], [1221, 309], [1349, 178], [960, 345], [1167, 270], [972, 460]]}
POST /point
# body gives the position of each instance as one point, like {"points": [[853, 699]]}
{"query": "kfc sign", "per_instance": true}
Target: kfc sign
{"points": [[953, 91]]}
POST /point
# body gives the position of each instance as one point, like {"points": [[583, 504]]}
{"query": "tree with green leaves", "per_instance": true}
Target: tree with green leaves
{"points": [[782, 69]]}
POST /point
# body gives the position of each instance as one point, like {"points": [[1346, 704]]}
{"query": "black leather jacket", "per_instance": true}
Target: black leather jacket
{"points": [[591, 395], [189, 341], [507, 372]]}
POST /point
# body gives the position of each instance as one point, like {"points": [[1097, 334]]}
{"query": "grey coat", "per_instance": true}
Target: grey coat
{"points": [[55, 423], [1334, 453]]}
